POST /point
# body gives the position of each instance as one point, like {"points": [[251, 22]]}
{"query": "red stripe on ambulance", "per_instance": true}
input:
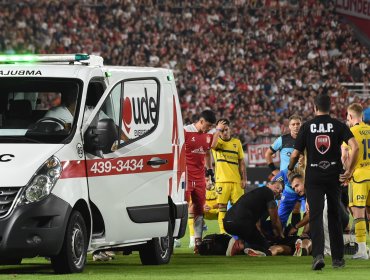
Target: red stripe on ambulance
{"points": [[115, 166], [73, 169]]}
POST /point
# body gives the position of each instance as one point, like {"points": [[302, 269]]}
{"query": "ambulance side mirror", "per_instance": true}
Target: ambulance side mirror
{"points": [[99, 139]]}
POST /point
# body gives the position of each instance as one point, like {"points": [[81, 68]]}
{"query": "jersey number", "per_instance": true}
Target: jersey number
{"points": [[366, 144]]}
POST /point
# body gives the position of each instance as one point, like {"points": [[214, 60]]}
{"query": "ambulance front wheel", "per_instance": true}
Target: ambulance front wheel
{"points": [[72, 257], [158, 250]]}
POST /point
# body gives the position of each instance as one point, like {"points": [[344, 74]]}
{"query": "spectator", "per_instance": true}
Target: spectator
{"points": [[237, 59]]}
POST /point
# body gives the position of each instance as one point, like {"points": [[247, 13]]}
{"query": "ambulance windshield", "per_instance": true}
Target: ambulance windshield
{"points": [[38, 110]]}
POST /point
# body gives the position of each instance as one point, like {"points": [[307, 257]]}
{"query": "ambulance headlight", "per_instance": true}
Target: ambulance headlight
{"points": [[42, 182], [39, 188]]}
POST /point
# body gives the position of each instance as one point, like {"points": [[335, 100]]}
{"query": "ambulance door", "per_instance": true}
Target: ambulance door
{"points": [[130, 185]]}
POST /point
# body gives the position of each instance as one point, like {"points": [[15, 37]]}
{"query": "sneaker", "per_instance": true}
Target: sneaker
{"points": [[110, 254], [192, 242], [318, 263], [254, 253], [338, 263], [304, 252], [298, 248], [360, 256], [101, 256], [176, 243], [233, 248]]}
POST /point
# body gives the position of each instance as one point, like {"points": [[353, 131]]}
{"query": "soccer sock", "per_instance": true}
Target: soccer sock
{"points": [[192, 239], [360, 230], [304, 252], [362, 247], [296, 217], [198, 227], [191, 225], [221, 216]]}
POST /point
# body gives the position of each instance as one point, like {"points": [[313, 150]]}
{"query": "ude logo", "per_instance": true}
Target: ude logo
{"points": [[142, 111]]}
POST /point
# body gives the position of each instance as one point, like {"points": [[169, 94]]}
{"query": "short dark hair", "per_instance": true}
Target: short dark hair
{"points": [[322, 102], [208, 115], [227, 122], [295, 176]]}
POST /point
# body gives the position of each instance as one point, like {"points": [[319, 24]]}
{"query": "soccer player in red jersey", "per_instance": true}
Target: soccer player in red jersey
{"points": [[198, 156]]}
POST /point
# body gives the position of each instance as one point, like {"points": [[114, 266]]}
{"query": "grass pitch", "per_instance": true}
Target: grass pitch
{"points": [[184, 265]]}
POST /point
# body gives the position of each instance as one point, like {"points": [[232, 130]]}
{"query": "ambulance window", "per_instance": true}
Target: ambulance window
{"points": [[115, 98], [133, 105], [111, 109], [111, 106], [35, 109], [95, 91]]}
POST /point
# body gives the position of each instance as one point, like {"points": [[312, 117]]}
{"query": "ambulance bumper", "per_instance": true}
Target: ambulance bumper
{"points": [[36, 229]]}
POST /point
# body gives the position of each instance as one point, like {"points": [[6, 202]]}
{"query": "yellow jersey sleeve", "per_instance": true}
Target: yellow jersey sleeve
{"points": [[361, 132]]}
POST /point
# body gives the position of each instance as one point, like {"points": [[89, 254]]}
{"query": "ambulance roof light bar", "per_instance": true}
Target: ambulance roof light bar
{"points": [[83, 58]]}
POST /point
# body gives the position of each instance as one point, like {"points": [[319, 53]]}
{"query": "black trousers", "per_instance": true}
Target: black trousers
{"points": [[247, 231], [316, 197]]}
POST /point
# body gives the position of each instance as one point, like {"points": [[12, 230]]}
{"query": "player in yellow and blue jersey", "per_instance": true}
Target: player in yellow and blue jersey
{"points": [[230, 168], [359, 185]]}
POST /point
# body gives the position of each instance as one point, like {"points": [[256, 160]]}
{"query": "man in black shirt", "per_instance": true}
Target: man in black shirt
{"points": [[242, 217], [322, 138]]}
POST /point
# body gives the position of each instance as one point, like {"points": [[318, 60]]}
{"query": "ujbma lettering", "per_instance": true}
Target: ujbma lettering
{"points": [[20, 73]]}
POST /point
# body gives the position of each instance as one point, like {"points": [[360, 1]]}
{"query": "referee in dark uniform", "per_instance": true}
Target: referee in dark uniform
{"points": [[321, 138]]}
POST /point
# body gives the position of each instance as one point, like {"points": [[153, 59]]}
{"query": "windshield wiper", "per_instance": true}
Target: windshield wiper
{"points": [[24, 138]]}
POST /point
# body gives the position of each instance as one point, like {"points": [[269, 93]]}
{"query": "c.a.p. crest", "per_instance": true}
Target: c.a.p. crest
{"points": [[322, 143]]}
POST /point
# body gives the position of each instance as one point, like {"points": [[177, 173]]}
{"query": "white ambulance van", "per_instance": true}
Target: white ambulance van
{"points": [[91, 158]]}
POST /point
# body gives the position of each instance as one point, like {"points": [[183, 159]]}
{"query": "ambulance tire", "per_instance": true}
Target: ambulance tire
{"points": [[72, 256], [15, 261], [158, 250]]}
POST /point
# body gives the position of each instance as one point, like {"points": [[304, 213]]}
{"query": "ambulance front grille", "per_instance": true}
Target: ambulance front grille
{"points": [[8, 196]]}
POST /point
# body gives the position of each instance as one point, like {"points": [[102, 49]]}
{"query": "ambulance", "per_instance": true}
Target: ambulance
{"points": [[91, 158]]}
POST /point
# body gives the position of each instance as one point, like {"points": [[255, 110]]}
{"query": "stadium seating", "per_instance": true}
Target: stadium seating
{"points": [[255, 62]]}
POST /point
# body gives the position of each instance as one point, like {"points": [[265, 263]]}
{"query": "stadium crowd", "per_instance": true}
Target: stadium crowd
{"points": [[253, 62]]}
